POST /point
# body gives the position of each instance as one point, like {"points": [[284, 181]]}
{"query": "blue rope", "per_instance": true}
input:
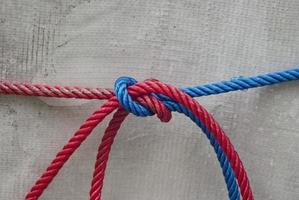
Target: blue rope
{"points": [[241, 83]]}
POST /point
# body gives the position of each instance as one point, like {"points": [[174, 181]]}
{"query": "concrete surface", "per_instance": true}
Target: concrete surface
{"points": [[189, 42]]}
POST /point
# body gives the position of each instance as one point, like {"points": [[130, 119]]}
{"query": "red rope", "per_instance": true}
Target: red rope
{"points": [[139, 92], [65, 153], [27, 89], [103, 153]]}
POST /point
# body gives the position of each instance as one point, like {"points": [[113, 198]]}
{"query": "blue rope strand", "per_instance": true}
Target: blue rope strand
{"points": [[243, 83]]}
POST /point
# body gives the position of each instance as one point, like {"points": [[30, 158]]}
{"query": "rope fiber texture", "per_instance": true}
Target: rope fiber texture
{"points": [[145, 99]]}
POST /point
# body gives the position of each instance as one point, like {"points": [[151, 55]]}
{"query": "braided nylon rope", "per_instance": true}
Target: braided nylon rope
{"points": [[144, 99]]}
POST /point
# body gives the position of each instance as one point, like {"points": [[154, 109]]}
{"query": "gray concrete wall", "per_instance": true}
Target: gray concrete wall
{"points": [[190, 42]]}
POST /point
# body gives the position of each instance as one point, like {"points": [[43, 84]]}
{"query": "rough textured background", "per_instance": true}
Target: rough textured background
{"points": [[188, 42]]}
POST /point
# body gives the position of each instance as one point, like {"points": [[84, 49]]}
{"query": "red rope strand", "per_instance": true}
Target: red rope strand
{"points": [[65, 153], [103, 153], [27, 89]]}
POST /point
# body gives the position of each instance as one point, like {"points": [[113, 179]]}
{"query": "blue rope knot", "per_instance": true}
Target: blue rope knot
{"points": [[126, 101]]}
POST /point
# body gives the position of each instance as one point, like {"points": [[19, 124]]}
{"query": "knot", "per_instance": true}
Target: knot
{"points": [[143, 105]]}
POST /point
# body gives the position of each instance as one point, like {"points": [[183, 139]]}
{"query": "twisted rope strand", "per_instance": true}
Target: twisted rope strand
{"points": [[243, 83], [27, 89], [240, 83], [103, 153], [65, 153]]}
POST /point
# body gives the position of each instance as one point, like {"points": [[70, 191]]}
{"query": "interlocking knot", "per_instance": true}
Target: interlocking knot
{"points": [[145, 99], [139, 105]]}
